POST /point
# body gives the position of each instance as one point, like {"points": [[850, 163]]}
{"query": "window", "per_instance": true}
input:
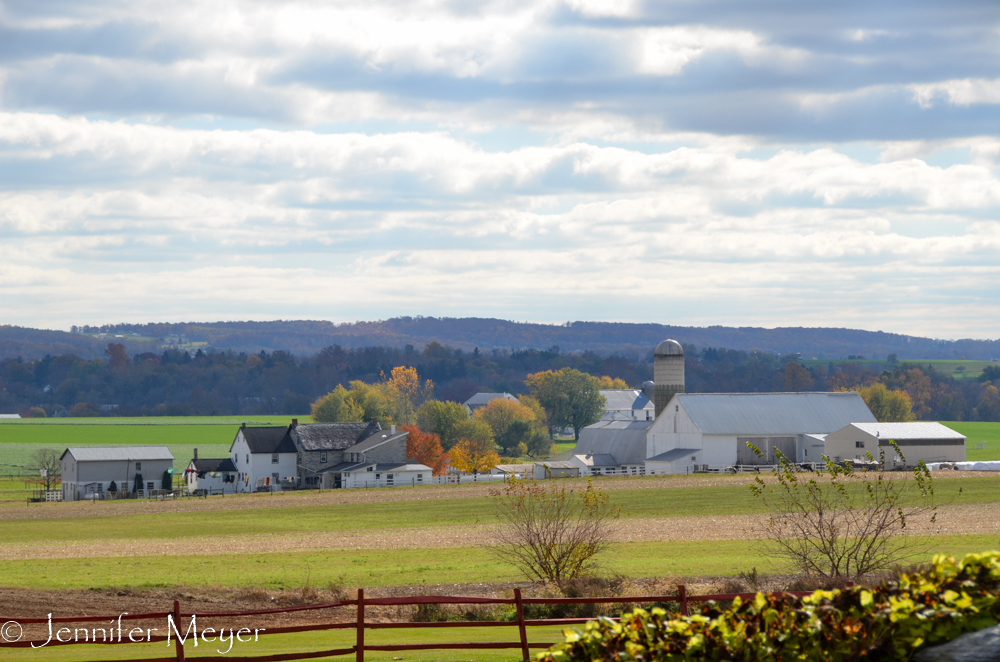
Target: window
{"points": [[859, 444], [274, 458], [248, 458], [677, 407], [694, 458], [274, 477], [138, 466], [149, 485], [377, 476], [322, 457], [371, 468]]}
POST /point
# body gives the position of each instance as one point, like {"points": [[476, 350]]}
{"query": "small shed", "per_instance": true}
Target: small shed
{"points": [[88, 471], [556, 469], [215, 474], [927, 441], [516, 470]]}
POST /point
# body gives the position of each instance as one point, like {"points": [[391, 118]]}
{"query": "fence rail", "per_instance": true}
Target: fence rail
{"points": [[361, 625]]}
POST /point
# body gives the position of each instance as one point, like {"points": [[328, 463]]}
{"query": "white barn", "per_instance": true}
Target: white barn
{"points": [[627, 405], [930, 442], [698, 431], [88, 471]]}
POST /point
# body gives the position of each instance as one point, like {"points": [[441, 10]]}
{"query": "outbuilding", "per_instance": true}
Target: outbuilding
{"points": [[927, 441], [556, 469], [89, 471], [213, 474]]}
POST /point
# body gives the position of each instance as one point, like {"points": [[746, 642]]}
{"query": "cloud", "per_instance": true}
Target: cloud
{"points": [[546, 160]]}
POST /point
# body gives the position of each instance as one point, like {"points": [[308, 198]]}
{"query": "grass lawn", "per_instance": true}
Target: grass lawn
{"points": [[976, 432], [657, 502], [310, 641], [393, 567], [957, 369]]}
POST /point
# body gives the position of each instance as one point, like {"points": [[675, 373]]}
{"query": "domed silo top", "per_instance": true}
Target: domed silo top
{"points": [[669, 348]]}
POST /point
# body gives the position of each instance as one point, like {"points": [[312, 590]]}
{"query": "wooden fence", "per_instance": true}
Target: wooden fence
{"points": [[360, 625]]}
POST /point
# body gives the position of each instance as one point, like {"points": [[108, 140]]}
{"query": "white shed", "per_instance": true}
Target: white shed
{"points": [[927, 441]]}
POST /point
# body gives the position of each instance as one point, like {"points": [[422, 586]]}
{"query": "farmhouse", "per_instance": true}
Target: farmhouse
{"points": [[216, 474], [263, 458], [333, 455], [627, 405], [930, 442], [480, 400], [88, 472]]}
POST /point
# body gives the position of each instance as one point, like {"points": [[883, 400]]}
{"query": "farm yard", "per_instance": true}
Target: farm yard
{"points": [[255, 551]]}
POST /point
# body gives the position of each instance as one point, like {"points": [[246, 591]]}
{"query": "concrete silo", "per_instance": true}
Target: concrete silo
{"points": [[668, 373]]}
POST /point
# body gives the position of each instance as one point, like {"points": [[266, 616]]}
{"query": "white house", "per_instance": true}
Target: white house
{"points": [[88, 471], [699, 431], [930, 442], [627, 405], [215, 474], [263, 457]]}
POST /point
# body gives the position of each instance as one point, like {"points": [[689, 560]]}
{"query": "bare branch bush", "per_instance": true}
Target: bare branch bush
{"points": [[551, 532], [850, 525]]}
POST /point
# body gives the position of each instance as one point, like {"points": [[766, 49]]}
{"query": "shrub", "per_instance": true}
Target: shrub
{"points": [[889, 622]]}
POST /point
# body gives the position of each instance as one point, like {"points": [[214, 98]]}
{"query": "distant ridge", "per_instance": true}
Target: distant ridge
{"points": [[304, 337]]}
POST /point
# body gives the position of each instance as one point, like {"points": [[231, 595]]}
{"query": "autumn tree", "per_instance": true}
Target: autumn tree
{"points": [[426, 448], [886, 405], [474, 456], [404, 393], [613, 384], [117, 358], [797, 378], [512, 424], [570, 397], [988, 408], [442, 419], [916, 384]]}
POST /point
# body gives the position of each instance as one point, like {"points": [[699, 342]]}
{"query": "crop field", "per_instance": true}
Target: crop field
{"points": [[957, 369]]}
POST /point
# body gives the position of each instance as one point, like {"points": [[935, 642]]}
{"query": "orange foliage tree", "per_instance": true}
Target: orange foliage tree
{"points": [[426, 449]]}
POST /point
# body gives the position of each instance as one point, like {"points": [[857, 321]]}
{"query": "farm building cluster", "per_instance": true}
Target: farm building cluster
{"points": [[658, 429]]}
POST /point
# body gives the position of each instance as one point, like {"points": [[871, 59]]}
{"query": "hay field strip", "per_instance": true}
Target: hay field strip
{"points": [[241, 541]]}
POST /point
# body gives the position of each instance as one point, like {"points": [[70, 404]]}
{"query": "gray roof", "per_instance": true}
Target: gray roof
{"points": [[625, 399], [401, 466], [625, 440], [118, 453], [674, 454], [332, 436], [513, 468], [214, 464], [918, 430], [669, 348], [267, 439], [375, 439], [774, 413], [597, 460], [482, 399]]}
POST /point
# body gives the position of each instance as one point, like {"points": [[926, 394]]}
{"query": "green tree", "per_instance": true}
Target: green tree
{"points": [[475, 429], [442, 419], [167, 482], [886, 405], [511, 422], [138, 483], [327, 409], [570, 397]]}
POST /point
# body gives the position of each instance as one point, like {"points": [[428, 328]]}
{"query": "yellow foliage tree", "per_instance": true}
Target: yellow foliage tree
{"points": [[403, 393], [474, 456], [613, 384], [887, 405]]}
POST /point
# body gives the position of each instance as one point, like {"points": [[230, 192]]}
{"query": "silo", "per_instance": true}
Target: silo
{"points": [[668, 373]]}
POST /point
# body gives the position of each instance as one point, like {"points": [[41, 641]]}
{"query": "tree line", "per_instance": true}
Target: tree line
{"points": [[180, 383]]}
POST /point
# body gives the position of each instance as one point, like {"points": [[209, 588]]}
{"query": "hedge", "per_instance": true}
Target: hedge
{"points": [[889, 622]]}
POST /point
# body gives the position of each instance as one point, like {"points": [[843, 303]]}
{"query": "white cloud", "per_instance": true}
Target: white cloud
{"points": [[962, 92]]}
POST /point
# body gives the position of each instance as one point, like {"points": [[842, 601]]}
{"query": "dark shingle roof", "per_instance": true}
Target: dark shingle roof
{"points": [[268, 440], [214, 464], [332, 436]]}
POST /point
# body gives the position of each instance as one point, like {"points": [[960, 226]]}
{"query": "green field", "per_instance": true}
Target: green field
{"points": [[957, 369], [255, 419], [975, 433]]}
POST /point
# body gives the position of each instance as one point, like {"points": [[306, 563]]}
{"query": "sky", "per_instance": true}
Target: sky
{"points": [[776, 163]]}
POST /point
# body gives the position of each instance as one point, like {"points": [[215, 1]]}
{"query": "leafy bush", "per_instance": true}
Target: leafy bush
{"points": [[889, 622]]}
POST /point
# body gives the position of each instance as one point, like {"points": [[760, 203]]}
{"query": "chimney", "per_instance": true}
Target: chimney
{"points": [[295, 422], [392, 429], [196, 454], [243, 427]]}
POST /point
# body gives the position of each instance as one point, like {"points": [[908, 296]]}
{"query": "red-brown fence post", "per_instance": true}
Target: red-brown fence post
{"points": [[520, 624], [360, 645], [177, 624], [682, 593]]}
